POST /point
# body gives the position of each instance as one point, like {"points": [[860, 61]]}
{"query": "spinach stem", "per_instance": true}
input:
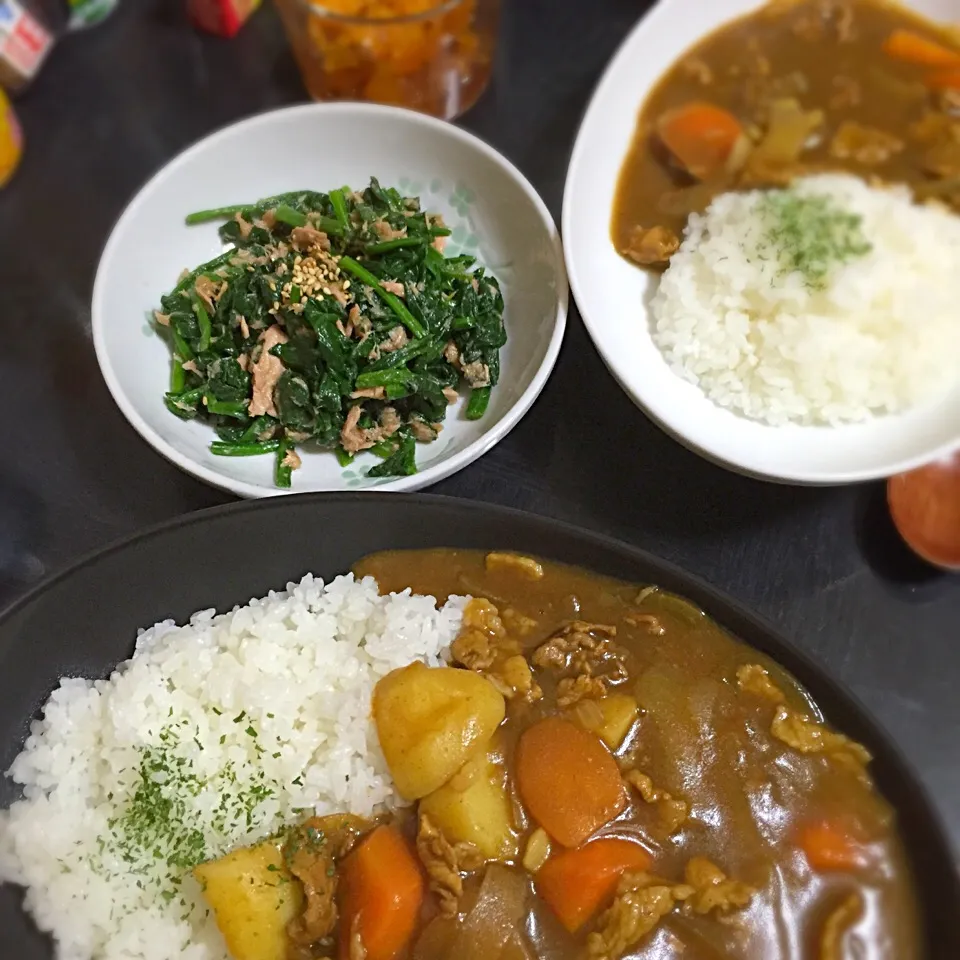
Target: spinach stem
{"points": [[282, 472], [339, 204], [286, 214], [392, 301], [385, 246], [384, 449], [402, 463], [203, 320], [328, 225], [227, 408], [223, 449], [184, 353], [257, 426], [178, 377], [477, 405], [390, 377], [216, 213]]}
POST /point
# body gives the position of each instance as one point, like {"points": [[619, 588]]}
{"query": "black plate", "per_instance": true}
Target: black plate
{"points": [[84, 621]]}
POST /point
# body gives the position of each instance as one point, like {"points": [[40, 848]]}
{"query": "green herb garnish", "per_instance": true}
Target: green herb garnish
{"points": [[811, 235], [157, 831]]}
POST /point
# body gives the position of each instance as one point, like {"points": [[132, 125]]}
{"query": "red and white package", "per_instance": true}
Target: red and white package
{"points": [[24, 44]]}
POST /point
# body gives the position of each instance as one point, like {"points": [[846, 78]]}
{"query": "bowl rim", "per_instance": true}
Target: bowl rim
{"points": [[930, 864], [617, 364], [445, 466]]}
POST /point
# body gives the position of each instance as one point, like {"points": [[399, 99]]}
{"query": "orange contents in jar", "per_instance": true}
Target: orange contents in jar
{"points": [[422, 54]]}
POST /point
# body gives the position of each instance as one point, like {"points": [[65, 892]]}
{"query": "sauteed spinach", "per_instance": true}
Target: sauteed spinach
{"points": [[334, 320]]}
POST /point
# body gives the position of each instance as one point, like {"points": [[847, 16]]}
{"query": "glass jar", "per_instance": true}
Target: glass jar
{"points": [[423, 54]]}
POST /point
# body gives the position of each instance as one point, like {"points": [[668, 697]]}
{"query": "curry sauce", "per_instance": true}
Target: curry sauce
{"points": [[859, 86], [728, 766]]}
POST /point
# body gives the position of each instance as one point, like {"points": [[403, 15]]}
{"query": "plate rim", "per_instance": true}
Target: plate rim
{"points": [[446, 466]]}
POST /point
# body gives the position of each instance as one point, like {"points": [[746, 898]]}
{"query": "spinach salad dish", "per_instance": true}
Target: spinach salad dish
{"points": [[335, 321]]}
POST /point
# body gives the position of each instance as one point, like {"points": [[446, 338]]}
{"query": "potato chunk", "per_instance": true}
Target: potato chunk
{"points": [[253, 898], [619, 712], [610, 717], [431, 721], [474, 807]]}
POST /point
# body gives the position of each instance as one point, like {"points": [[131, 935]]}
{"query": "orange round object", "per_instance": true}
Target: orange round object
{"points": [[925, 506], [568, 780]]}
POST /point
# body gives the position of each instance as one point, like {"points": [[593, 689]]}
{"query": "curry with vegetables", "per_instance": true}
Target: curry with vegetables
{"points": [[601, 773], [797, 87]]}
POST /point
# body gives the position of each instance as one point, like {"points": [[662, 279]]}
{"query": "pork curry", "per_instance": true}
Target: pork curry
{"points": [[798, 87], [601, 773]]}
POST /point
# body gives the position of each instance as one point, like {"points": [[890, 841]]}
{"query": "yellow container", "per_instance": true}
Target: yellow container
{"points": [[11, 140]]}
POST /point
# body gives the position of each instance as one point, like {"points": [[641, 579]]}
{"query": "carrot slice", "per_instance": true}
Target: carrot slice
{"points": [[911, 47], [829, 845], [568, 780], [577, 883], [700, 136], [381, 892], [944, 79]]}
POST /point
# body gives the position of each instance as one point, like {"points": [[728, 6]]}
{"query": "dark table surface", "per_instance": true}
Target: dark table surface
{"points": [[114, 104]]}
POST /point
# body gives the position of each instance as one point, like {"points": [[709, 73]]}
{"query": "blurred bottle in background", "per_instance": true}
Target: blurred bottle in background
{"points": [[11, 140], [28, 31], [86, 13], [25, 42]]}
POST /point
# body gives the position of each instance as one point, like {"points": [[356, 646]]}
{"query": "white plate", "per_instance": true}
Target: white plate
{"points": [[612, 295], [493, 210]]}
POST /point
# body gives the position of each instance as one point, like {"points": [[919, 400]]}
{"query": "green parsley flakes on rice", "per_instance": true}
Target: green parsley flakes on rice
{"points": [[830, 302], [214, 734]]}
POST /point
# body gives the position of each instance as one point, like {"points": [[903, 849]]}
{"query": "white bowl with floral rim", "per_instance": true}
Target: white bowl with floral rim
{"points": [[494, 214]]}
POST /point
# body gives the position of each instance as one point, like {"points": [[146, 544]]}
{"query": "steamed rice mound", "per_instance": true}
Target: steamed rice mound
{"points": [[251, 720], [878, 335]]}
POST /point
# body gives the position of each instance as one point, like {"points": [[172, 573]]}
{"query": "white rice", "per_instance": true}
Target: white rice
{"points": [[278, 689], [879, 337]]}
